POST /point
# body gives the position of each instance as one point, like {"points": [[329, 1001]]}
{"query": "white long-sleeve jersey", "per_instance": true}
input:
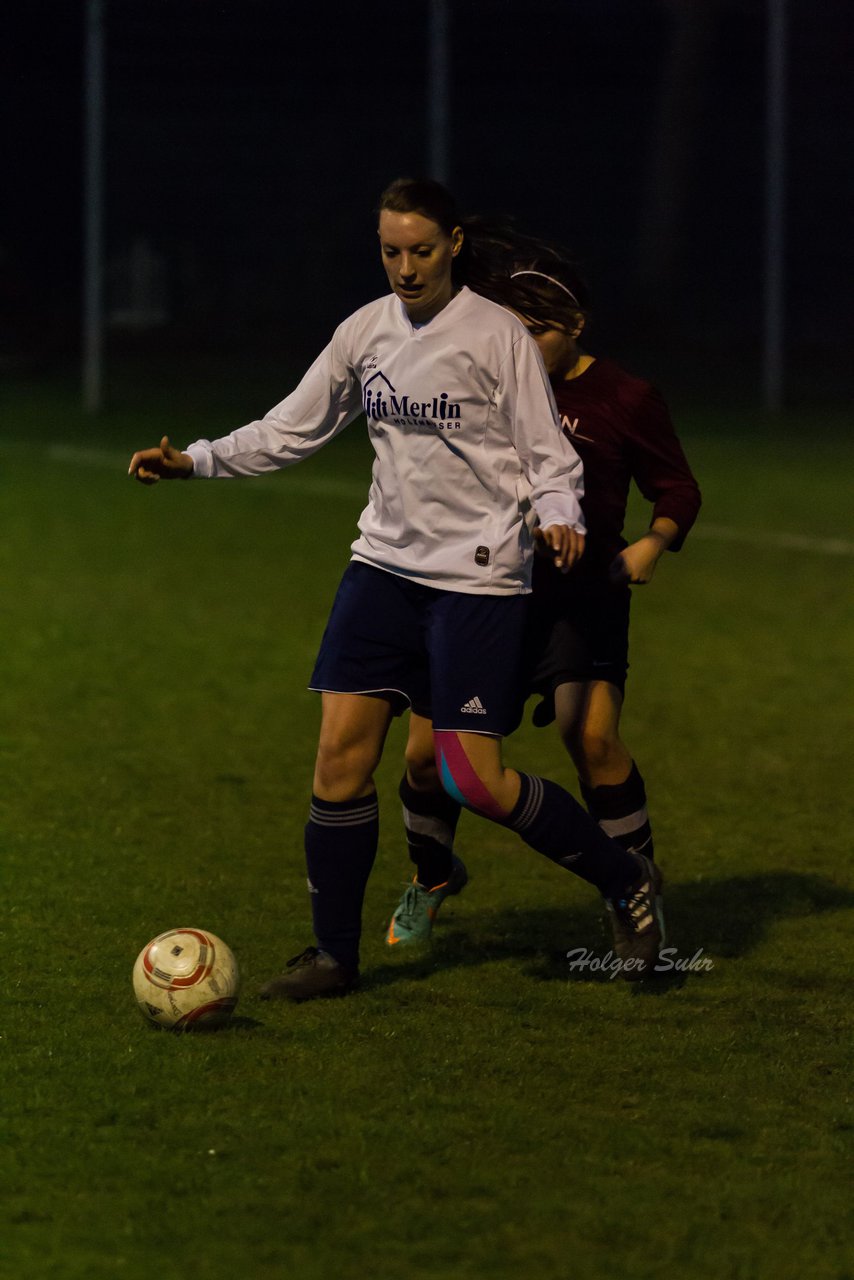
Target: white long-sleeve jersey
{"points": [[465, 431]]}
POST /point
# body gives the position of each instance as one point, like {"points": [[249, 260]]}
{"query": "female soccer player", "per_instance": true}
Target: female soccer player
{"points": [[578, 637], [431, 609]]}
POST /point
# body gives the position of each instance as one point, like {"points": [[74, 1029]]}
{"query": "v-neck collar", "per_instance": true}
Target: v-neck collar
{"points": [[438, 319]]}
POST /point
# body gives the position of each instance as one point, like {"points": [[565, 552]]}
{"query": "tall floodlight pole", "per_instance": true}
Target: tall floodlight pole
{"points": [[773, 347], [93, 205], [438, 91]]}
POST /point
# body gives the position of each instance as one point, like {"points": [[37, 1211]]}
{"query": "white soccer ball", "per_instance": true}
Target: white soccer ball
{"points": [[186, 978]]}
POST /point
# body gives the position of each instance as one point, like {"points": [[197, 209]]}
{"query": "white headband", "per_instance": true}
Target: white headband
{"points": [[551, 280]]}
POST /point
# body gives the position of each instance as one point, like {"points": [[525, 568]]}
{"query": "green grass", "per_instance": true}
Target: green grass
{"points": [[480, 1111]]}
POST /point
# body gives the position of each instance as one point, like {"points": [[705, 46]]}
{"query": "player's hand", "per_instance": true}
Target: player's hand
{"points": [[565, 545], [635, 564], [164, 463]]}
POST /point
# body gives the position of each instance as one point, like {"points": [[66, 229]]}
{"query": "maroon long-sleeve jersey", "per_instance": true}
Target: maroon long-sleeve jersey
{"points": [[620, 427]]}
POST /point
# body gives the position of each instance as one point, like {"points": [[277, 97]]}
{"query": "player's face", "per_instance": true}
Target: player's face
{"points": [[558, 348], [417, 256]]}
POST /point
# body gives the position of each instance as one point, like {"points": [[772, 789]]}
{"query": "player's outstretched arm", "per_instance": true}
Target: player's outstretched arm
{"points": [[562, 542], [164, 463]]}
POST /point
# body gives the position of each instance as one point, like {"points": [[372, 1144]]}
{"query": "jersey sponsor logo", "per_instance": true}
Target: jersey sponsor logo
{"points": [[383, 403], [474, 707], [570, 429]]}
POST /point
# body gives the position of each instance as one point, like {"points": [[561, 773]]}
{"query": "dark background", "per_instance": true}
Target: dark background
{"points": [[248, 140]]}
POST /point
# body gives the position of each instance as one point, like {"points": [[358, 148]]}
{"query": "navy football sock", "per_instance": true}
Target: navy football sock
{"points": [[430, 819], [340, 847], [552, 821], [621, 812]]}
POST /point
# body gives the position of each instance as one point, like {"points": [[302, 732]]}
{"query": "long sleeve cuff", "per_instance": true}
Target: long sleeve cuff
{"points": [[202, 456]]}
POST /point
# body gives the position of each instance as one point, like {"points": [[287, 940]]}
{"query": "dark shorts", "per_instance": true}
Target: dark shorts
{"points": [[578, 630], [453, 657]]}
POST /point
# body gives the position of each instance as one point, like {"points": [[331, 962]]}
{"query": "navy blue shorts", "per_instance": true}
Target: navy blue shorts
{"points": [[454, 657]]}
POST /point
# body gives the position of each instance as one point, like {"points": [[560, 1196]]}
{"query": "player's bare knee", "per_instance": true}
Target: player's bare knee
{"points": [[423, 776], [343, 770], [421, 769], [597, 750]]}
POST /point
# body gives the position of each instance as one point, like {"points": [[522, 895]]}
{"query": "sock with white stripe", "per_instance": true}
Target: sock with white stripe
{"points": [[430, 819], [552, 821], [340, 847], [621, 812]]}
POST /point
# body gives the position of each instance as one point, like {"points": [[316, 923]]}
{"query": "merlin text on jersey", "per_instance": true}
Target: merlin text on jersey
{"points": [[382, 402]]}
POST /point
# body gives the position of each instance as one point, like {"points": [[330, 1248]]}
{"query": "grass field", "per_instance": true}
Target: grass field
{"points": [[481, 1111]]}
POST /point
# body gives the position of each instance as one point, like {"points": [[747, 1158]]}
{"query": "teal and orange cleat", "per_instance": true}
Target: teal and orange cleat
{"points": [[412, 922]]}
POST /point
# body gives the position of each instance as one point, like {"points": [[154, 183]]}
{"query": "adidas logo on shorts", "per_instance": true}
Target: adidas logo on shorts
{"points": [[475, 707]]}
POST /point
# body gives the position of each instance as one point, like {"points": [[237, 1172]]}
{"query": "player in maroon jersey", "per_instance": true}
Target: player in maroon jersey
{"points": [[621, 428]]}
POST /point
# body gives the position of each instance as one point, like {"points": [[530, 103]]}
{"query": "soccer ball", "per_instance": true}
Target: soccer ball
{"points": [[186, 978]]}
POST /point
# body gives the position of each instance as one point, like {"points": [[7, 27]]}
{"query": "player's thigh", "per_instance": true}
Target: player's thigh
{"points": [[472, 770], [570, 705]]}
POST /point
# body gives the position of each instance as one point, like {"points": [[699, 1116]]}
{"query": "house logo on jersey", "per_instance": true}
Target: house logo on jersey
{"points": [[382, 402], [570, 429]]}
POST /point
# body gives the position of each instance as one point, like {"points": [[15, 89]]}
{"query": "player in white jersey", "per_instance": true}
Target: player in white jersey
{"points": [[431, 610]]}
